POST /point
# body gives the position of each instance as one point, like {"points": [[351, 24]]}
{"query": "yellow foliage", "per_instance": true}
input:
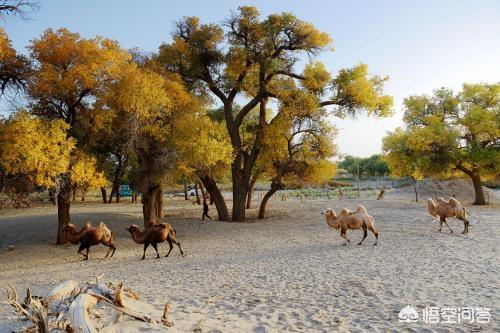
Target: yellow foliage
{"points": [[36, 148], [6, 50], [84, 174], [69, 69]]}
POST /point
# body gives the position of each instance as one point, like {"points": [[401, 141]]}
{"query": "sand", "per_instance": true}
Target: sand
{"points": [[289, 273]]}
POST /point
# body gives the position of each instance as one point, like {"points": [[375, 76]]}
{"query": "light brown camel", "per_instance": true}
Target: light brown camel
{"points": [[443, 209], [347, 219], [74, 236], [94, 236], [155, 233]]}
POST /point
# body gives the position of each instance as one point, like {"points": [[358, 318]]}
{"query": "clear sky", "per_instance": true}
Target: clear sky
{"points": [[421, 45]]}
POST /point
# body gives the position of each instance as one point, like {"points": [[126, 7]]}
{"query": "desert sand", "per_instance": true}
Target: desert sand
{"points": [[289, 272]]}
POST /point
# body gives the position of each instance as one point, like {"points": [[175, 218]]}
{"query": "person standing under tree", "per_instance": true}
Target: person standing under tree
{"points": [[205, 210]]}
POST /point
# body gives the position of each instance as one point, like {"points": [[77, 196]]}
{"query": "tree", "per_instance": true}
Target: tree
{"points": [[250, 58], [84, 174], [297, 145], [204, 152], [22, 8], [351, 163], [13, 67], [138, 108], [449, 133], [69, 72], [33, 152]]}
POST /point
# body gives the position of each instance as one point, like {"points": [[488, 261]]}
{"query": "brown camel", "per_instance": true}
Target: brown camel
{"points": [[74, 236], [155, 233], [351, 220], [381, 194], [94, 236], [443, 209]]}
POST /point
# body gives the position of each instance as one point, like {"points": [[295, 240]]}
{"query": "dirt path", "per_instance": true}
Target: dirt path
{"points": [[288, 273]]}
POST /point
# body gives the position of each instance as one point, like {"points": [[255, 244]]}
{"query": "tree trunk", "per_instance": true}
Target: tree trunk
{"points": [[197, 193], [216, 196], [103, 194], [185, 190], [415, 189], [478, 189], [119, 171], [276, 185], [240, 191], [152, 204], [52, 196], [63, 205], [250, 192], [134, 196], [203, 194], [73, 192], [83, 196]]}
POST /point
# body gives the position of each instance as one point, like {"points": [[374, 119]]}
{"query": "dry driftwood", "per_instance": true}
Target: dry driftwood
{"points": [[87, 308]]}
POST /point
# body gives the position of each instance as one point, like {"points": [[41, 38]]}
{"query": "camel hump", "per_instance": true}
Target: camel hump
{"points": [[345, 211], [454, 202], [361, 209]]}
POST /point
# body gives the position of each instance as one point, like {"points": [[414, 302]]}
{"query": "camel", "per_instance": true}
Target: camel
{"points": [[94, 236], [347, 219], [381, 194], [74, 236], [341, 194], [443, 209], [155, 233]]}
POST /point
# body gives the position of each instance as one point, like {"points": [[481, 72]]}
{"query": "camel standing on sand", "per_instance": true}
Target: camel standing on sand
{"points": [[351, 220], [381, 194], [74, 236], [443, 209], [94, 236], [155, 233]]}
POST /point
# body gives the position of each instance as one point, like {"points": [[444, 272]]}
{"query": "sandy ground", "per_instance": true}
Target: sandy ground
{"points": [[287, 273]]}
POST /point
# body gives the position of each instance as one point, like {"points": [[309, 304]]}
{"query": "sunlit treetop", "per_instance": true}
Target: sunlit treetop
{"points": [[35, 148], [69, 71]]}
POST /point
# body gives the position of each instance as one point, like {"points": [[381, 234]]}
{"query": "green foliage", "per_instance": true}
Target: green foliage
{"points": [[448, 133], [371, 166]]}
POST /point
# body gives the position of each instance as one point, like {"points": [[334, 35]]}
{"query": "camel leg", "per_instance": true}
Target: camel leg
{"points": [[87, 255], [343, 234], [171, 247], [466, 227], [155, 246], [440, 223], [146, 244], [80, 249], [109, 250], [446, 222], [365, 233], [179, 245], [114, 249]]}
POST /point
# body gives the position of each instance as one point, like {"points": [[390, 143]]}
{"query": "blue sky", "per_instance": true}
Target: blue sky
{"points": [[421, 45]]}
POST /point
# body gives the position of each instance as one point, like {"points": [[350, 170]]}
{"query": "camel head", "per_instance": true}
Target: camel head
{"points": [[329, 213], [133, 229], [69, 227]]}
